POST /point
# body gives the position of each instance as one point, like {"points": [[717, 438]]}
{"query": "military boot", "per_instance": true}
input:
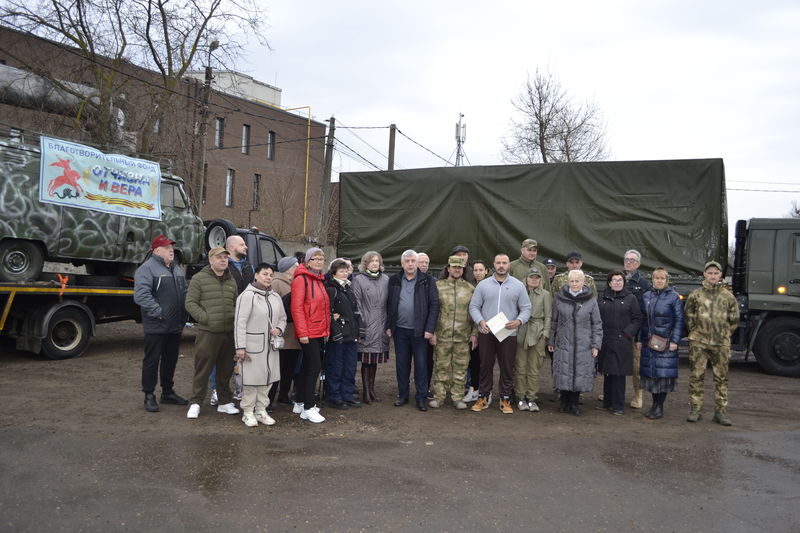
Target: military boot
{"points": [[694, 415], [722, 419]]}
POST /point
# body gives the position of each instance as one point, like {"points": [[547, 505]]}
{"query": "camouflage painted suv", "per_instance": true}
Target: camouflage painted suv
{"points": [[32, 232]]}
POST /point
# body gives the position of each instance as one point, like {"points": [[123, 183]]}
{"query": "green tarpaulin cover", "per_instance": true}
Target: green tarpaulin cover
{"points": [[674, 212]]}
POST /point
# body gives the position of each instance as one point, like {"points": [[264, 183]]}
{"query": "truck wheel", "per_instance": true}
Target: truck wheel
{"points": [[777, 347], [20, 261], [217, 231], [68, 334]]}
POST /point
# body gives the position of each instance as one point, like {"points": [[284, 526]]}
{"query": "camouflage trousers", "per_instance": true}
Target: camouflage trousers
{"points": [[526, 370], [451, 360], [699, 356]]}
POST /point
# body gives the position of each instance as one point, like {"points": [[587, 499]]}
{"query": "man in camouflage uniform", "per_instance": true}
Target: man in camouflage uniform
{"points": [[455, 333], [527, 260], [574, 262], [712, 315]]}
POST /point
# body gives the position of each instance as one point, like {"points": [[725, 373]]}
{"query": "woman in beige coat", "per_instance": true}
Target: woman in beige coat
{"points": [[260, 321]]}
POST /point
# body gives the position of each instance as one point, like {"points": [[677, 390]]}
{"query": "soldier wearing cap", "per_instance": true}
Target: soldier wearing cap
{"points": [[159, 288], [574, 261], [455, 333], [551, 266], [527, 260], [531, 340], [712, 315], [462, 252], [211, 300]]}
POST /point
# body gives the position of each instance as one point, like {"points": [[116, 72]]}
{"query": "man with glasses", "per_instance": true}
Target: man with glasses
{"points": [[638, 285]]}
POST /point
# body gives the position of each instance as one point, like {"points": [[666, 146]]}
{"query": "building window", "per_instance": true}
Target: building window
{"points": [[229, 188], [219, 133], [246, 139], [256, 190], [271, 145]]}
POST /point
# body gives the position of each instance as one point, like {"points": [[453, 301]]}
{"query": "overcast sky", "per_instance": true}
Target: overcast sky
{"points": [[675, 80]]}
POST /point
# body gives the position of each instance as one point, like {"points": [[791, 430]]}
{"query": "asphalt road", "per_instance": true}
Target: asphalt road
{"points": [[78, 453]]}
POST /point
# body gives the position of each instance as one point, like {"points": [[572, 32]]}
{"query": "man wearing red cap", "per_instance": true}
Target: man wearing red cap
{"points": [[160, 290]]}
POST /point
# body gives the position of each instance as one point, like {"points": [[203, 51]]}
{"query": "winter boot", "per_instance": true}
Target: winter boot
{"points": [[373, 369], [721, 418], [694, 415], [365, 397]]}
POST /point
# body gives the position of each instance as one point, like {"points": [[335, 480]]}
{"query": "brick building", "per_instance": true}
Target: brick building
{"points": [[263, 164]]}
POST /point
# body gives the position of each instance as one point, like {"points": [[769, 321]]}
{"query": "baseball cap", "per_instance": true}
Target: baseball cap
{"points": [[160, 241], [549, 262], [530, 243], [217, 250]]}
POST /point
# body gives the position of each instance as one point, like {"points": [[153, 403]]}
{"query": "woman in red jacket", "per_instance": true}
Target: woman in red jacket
{"points": [[311, 313]]}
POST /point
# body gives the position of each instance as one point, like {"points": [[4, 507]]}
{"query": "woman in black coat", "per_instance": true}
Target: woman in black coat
{"points": [[622, 318]]}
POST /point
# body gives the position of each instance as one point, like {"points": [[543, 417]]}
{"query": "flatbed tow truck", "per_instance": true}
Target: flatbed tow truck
{"points": [[57, 316]]}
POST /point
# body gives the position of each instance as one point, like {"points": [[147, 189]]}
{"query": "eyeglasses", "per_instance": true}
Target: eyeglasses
{"points": [[631, 260]]}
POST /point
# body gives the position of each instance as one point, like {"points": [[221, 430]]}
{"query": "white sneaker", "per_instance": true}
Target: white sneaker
{"points": [[471, 396], [194, 411], [249, 420], [522, 405], [264, 418], [228, 409], [312, 415], [213, 400], [533, 407], [489, 400], [298, 408]]}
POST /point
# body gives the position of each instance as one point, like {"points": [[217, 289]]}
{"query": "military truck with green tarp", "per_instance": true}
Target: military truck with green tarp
{"points": [[674, 212]]}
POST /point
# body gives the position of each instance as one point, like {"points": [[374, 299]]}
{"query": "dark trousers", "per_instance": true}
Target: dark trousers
{"points": [[341, 360], [505, 353], [213, 349], [408, 346], [160, 351], [475, 368], [614, 392], [288, 362], [430, 364], [311, 362]]}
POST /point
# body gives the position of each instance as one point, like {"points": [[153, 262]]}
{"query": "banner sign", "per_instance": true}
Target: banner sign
{"points": [[79, 176]]}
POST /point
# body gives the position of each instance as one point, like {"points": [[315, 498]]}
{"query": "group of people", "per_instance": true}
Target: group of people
{"points": [[451, 329]]}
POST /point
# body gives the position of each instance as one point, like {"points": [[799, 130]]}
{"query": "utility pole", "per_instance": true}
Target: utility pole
{"points": [[202, 133], [325, 190], [461, 138], [392, 133]]}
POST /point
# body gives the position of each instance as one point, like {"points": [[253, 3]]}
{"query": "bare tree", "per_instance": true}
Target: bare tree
{"points": [[550, 128], [168, 36], [794, 212]]}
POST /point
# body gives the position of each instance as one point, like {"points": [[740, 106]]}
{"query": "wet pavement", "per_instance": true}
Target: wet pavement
{"points": [[78, 453]]}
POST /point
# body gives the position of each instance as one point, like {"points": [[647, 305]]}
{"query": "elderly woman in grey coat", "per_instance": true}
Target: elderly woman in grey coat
{"points": [[371, 289], [259, 323], [576, 334]]}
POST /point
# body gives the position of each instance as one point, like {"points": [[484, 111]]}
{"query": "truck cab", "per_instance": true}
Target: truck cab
{"points": [[766, 281]]}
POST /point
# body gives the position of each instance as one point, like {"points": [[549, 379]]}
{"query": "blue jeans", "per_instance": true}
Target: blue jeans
{"points": [[406, 346], [341, 359]]}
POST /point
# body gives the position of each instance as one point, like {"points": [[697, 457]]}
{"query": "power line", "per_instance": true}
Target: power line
{"points": [[376, 167], [365, 142], [423, 147]]}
